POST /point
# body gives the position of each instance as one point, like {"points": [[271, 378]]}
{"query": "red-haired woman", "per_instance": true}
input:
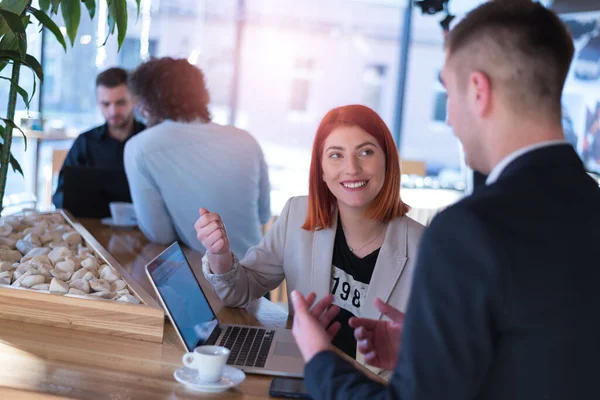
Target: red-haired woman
{"points": [[349, 238]]}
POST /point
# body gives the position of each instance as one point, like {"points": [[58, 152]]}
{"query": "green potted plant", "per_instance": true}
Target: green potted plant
{"points": [[15, 16]]}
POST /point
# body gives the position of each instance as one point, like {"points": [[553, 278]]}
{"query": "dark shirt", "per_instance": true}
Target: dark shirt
{"points": [[349, 285], [94, 148]]}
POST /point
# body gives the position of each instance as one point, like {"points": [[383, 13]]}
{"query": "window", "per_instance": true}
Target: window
{"points": [[69, 94], [439, 107], [374, 80], [580, 101], [425, 135], [299, 59], [200, 31], [301, 81], [130, 55]]}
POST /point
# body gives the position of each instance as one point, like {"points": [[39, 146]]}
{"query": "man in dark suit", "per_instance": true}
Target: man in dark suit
{"points": [[103, 146], [505, 301]]}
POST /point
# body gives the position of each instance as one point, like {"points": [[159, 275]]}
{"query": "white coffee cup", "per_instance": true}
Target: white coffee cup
{"points": [[209, 361], [122, 213]]}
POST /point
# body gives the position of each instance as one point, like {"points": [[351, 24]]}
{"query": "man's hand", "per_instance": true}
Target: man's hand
{"points": [[312, 328], [379, 341]]}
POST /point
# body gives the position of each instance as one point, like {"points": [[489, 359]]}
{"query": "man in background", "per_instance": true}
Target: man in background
{"points": [[103, 146]]}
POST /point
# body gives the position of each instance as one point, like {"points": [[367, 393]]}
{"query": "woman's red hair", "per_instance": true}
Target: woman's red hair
{"points": [[322, 204]]}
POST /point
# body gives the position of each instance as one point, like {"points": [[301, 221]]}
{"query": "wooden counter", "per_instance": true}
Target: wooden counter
{"points": [[40, 362]]}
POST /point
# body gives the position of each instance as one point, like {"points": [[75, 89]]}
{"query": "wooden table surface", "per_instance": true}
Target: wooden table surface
{"points": [[41, 362]]}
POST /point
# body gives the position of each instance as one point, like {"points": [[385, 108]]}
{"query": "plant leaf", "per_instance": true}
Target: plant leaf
{"points": [[120, 14], [3, 26], [71, 13], [55, 4], [13, 21], [15, 6], [139, 4], [15, 165], [91, 7], [48, 23], [22, 92], [11, 123], [111, 22], [45, 5], [18, 29], [30, 61], [13, 161], [9, 42], [32, 90], [35, 66], [26, 19]]}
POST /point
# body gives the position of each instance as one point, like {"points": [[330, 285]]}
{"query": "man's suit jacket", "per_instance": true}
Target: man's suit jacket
{"points": [[304, 259], [506, 300]]}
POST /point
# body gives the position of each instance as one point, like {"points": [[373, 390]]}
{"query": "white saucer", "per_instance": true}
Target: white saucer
{"points": [[189, 377], [109, 221]]}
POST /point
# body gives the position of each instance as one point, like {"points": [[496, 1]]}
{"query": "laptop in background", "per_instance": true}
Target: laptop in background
{"points": [[89, 191], [254, 349]]}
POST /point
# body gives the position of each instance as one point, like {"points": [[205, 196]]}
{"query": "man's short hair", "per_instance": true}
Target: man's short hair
{"points": [[524, 48], [112, 77]]}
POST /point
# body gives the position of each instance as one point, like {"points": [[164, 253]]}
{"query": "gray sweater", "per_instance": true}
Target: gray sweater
{"points": [[174, 168]]}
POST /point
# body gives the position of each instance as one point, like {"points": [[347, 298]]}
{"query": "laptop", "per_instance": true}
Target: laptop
{"points": [[88, 191], [255, 350]]}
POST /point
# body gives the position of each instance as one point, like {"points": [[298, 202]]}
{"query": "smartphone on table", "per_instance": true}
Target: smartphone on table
{"points": [[291, 388]]}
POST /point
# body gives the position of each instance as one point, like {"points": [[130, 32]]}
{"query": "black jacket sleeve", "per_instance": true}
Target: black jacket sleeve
{"points": [[447, 344]]}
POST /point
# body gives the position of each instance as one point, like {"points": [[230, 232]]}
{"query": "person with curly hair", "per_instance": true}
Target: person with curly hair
{"points": [[184, 159]]}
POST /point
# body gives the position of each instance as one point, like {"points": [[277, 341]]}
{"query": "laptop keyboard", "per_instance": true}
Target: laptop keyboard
{"points": [[249, 346]]}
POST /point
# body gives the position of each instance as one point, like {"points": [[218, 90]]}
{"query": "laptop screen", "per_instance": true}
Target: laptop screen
{"points": [[183, 297]]}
